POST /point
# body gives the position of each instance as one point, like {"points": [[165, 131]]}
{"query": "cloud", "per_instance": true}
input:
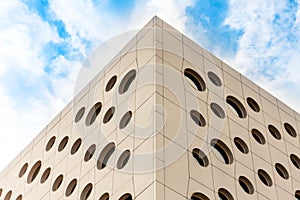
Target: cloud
{"points": [[171, 11], [298, 13], [27, 102], [87, 21], [80, 18], [63, 77], [209, 29], [22, 36], [269, 42]]}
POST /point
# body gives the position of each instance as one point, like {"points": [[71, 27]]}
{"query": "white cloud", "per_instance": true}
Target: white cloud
{"points": [[64, 85], [171, 11], [26, 102], [85, 21], [22, 35], [255, 19], [80, 18], [266, 48], [298, 14], [9, 141], [19, 124]]}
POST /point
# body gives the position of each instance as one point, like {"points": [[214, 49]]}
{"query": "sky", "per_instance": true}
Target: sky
{"points": [[44, 42]]}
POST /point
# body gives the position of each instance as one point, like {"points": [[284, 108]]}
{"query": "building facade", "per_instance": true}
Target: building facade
{"points": [[165, 119]]}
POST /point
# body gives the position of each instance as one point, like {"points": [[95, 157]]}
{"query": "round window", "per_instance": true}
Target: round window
{"points": [[195, 79], [222, 151], [127, 81]]}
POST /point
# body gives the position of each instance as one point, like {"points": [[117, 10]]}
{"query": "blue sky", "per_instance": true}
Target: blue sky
{"points": [[44, 42]]}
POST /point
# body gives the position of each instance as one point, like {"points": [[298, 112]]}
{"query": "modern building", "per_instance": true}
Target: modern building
{"points": [[165, 119]]}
